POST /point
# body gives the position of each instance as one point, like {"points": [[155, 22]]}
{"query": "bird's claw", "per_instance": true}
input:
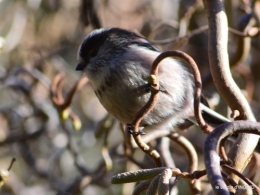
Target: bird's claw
{"points": [[132, 132]]}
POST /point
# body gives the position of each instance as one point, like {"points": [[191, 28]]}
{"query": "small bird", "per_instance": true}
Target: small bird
{"points": [[117, 63]]}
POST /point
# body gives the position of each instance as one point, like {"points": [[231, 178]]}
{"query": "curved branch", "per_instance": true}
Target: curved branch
{"points": [[219, 65], [211, 157], [193, 159], [197, 80]]}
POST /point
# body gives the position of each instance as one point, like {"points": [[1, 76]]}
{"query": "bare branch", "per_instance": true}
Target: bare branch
{"points": [[219, 65]]}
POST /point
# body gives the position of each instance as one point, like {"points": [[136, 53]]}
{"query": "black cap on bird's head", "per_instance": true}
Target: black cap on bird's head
{"points": [[91, 44], [114, 37]]}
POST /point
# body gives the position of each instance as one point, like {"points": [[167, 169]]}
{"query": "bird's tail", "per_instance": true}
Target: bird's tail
{"points": [[213, 118]]}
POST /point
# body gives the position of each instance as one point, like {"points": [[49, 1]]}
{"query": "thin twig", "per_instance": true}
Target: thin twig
{"points": [[197, 79], [250, 183]]}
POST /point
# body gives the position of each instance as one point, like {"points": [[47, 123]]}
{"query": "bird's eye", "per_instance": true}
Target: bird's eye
{"points": [[93, 52]]}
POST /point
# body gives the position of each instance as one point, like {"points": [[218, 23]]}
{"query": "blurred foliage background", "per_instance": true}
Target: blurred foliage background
{"points": [[39, 39]]}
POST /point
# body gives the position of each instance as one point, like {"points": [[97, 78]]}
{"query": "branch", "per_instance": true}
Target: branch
{"points": [[219, 65], [211, 157]]}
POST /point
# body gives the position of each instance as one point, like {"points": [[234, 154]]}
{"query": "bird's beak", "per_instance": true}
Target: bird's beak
{"points": [[80, 66]]}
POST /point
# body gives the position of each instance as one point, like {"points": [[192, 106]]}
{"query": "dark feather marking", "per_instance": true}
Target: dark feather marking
{"points": [[147, 45], [108, 82]]}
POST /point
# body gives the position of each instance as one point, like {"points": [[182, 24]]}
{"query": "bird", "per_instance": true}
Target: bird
{"points": [[117, 63]]}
